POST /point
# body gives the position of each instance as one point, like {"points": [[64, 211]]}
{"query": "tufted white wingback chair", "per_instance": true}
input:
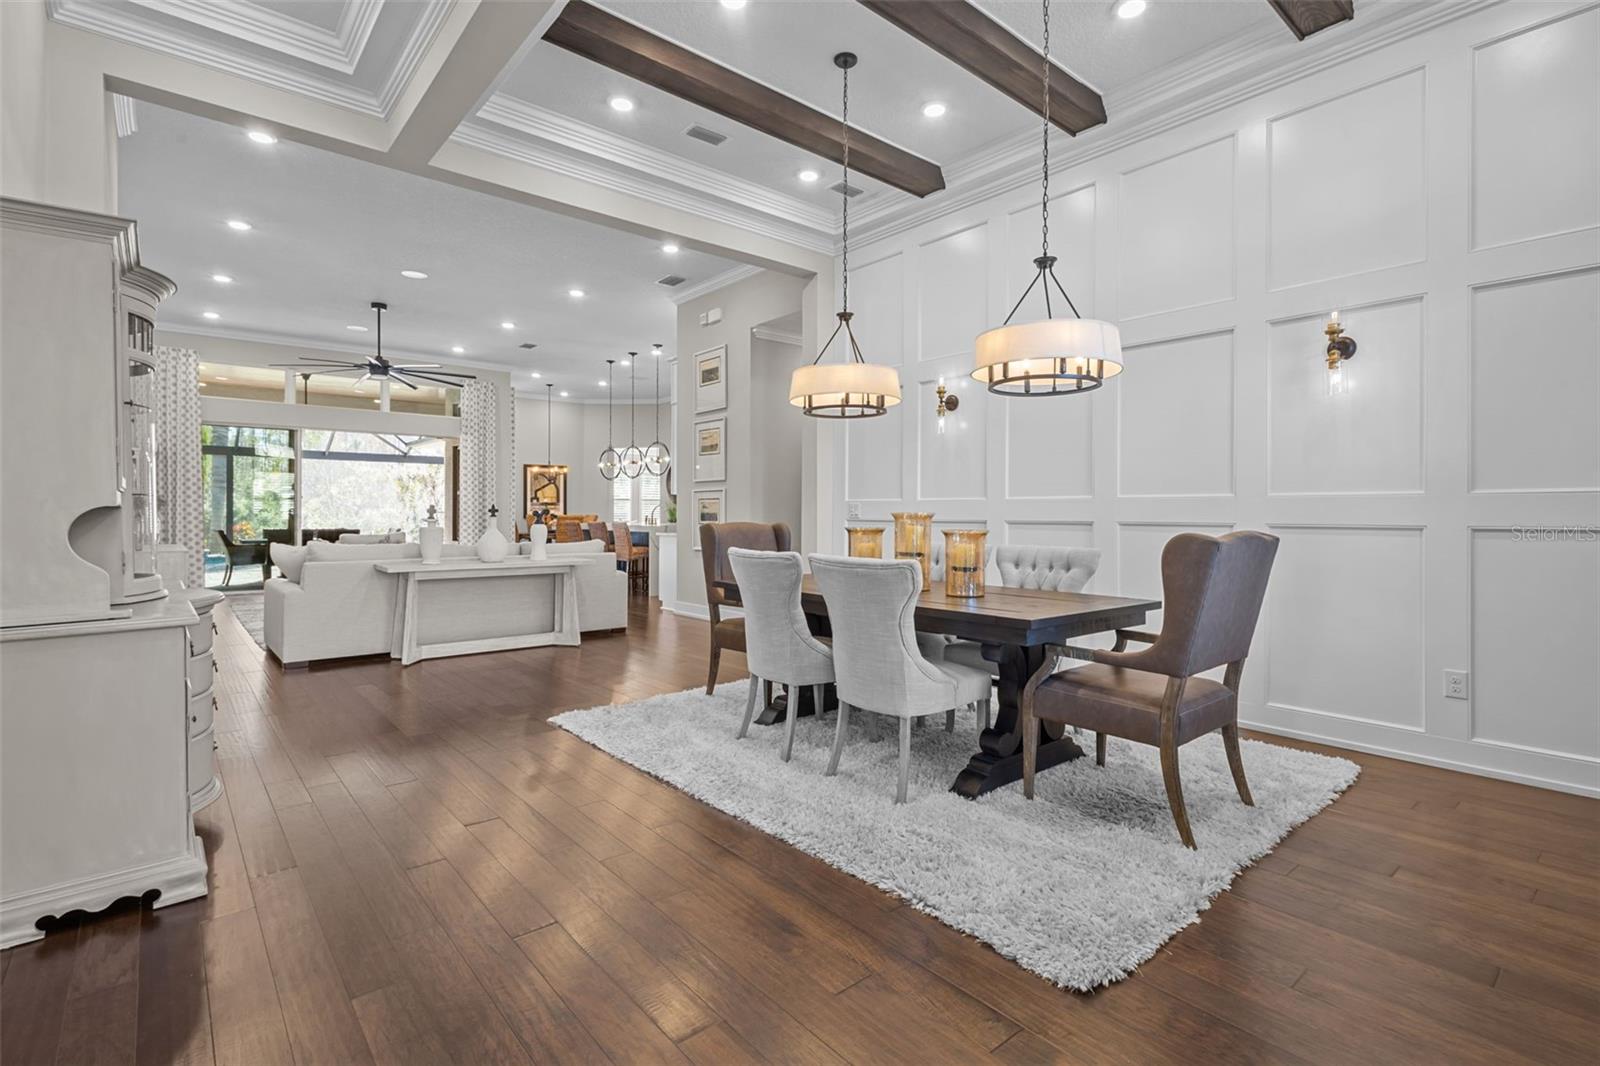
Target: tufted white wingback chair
{"points": [[871, 605], [778, 645], [1024, 566]]}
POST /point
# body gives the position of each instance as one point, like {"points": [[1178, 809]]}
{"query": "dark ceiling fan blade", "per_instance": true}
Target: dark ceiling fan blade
{"points": [[417, 366], [319, 363], [401, 379], [446, 382]]}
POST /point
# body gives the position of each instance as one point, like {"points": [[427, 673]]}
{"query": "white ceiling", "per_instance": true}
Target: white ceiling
{"points": [[332, 234]]}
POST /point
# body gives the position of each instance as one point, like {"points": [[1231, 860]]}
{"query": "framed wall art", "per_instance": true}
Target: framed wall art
{"points": [[710, 456], [708, 507], [711, 380]]}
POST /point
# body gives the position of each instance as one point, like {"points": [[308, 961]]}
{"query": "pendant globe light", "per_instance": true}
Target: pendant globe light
{"points": [[632, 455], [1053, 356], [854, 388], [610, 459], [657, 456]]}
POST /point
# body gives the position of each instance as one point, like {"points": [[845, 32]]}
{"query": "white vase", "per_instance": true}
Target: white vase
{"points": [[538, 536], [432, 540], [492, 546]]}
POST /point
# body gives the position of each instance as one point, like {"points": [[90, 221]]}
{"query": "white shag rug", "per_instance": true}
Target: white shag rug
{"points": [[1080, 885]]}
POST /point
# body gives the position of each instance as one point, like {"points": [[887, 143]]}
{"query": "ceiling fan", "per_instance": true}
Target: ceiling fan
{"points": [[379, 368]]}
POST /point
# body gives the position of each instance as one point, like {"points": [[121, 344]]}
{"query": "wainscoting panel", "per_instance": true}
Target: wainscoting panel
{"points": [[877, 293], [952, 292], [1346, 178], [1368, 440], [1177, 231], [1535, 631], [1175, 418], [1536, 131], [1535, 380], [1435, 185], [1345, 619]]}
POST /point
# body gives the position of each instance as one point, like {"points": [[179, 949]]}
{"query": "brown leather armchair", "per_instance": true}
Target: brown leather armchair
{"points": [[1212, 588], [715, 540]]}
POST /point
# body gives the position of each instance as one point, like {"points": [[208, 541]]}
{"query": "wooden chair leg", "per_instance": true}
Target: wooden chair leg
{"points": [[1099, 749], [838, 738], [766, 693], [1169, 773], [905, 760], [792, 699], [950, 720], [749, 707], [711, 677], [1230, 740]]}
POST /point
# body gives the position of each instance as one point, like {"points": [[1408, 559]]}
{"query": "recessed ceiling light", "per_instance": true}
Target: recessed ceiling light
{"points": [[565, 394], [733, 5], [623, 363], [262, 137], [576, 294], [508, 325], [603, 385], [222, 279], [933, 109], [536, 374], [808, 176], [621, 103], [670, 248], [1131, 9], [357, 329], [459, 350], [210, 314], [414, 275], [239, 224]]}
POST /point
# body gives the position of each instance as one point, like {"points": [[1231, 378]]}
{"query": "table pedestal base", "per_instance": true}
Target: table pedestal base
{"points": [[999, 762], [778, 710], [986, 772]]}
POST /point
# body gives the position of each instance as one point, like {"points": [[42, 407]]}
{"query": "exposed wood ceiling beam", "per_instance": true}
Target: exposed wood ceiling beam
{"points": [[1306, 17], [616, 43], [980, 45]]}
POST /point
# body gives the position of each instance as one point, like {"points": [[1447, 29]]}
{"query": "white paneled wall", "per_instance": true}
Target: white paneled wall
{"points": [[1444, 194]]}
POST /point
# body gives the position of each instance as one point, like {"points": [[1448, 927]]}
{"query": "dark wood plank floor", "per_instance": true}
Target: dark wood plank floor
{"points": [[410, 865]]}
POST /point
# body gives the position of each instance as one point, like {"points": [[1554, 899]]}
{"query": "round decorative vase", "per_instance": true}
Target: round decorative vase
{"points": [[866, 542], [538, 537], [431, 538], [493, 546], [913, 539], [964, 558]]}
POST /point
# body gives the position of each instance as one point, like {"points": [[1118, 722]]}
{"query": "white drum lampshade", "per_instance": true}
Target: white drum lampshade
{"points": [[1048, 357], [844, 390]]}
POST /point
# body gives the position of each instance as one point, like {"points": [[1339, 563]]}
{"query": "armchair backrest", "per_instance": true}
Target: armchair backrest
{"points": [[715, 540], [597, 531], [871, 607], [621, 540], [778, 642], [1024, 566], [1212, 589]]}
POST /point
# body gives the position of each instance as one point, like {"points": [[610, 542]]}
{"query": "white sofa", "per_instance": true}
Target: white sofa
{"points": [[330, 603]]}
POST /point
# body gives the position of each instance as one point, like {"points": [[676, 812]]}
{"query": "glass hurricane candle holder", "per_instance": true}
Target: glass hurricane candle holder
{"points": [[964, 557], [866, 542], [913, 539]]}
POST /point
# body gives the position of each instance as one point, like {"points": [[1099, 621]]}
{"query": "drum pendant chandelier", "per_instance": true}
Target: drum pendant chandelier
{"points": [[610, 460], [854, 388], [1053, 356]]}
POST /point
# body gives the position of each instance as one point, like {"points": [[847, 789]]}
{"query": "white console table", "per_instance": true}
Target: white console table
{"points": [[464, 606]]}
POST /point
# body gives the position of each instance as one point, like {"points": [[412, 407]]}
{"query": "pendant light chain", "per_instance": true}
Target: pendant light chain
{"points": [[1045, 201], [845, 194]]}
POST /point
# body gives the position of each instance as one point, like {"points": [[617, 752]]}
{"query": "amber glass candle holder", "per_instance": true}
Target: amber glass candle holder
{"points": [[913, 539], [964, 554], [866, 542]]}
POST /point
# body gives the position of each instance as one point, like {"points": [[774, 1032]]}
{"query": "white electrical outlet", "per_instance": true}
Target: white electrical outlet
{"points": [[1455, 685], [855, 510]]}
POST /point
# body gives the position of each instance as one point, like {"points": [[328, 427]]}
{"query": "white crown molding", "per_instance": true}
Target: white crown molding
{"points": [[777, 336], [127, 23], [338, 50], [714, 283], [670, 194], [127, 118], [1204, 84]]}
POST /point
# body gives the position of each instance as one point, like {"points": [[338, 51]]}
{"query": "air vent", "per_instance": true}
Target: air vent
{"points": [[528, 345], [671, 280], [841, 187], [700, 133]]}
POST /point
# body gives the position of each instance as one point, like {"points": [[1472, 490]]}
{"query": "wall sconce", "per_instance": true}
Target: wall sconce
{"points": [[1340, 348], [947, 402]]}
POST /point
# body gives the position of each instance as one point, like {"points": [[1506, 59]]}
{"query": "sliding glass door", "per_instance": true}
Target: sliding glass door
{"points": [[247, 477], [371, 482]]}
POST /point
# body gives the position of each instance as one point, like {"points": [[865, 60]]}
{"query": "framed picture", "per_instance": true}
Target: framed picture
{"points": [[544, 489], [708, 507], [710, 379], [710, 461]]}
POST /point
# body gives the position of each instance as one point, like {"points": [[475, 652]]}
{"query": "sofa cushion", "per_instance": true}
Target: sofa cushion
{"points": [[577, 547], [288, 559], [322, 552], [363, 538]]}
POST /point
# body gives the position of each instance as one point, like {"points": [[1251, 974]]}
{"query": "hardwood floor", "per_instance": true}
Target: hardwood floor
{"points": [[409, 865]]}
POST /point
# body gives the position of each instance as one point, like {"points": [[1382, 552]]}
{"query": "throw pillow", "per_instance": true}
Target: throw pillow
{"points": [[289, 560]]}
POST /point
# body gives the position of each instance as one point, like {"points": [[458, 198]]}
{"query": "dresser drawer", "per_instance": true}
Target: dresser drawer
{"points": [[202, 710], [202, 760], [201, 669], [201, 634]]}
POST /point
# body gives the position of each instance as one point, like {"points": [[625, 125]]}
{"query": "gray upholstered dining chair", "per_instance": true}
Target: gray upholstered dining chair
{"points": [[876, 663], [1212, 588], [778, 645], [715, 540], [1024, 566]]}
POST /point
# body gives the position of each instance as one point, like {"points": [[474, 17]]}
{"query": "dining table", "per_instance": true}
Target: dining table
{"points": [[1015, 627]]}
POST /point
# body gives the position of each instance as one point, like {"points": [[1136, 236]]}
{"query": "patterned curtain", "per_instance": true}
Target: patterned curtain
{"points": [[180, 506], [480, 401]]}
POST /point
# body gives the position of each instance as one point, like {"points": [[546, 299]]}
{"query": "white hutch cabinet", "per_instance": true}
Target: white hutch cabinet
{"points": [[105, 680]]}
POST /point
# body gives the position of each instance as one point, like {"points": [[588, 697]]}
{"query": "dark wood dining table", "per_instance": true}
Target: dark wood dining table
{"points": [[1014, 626]]}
